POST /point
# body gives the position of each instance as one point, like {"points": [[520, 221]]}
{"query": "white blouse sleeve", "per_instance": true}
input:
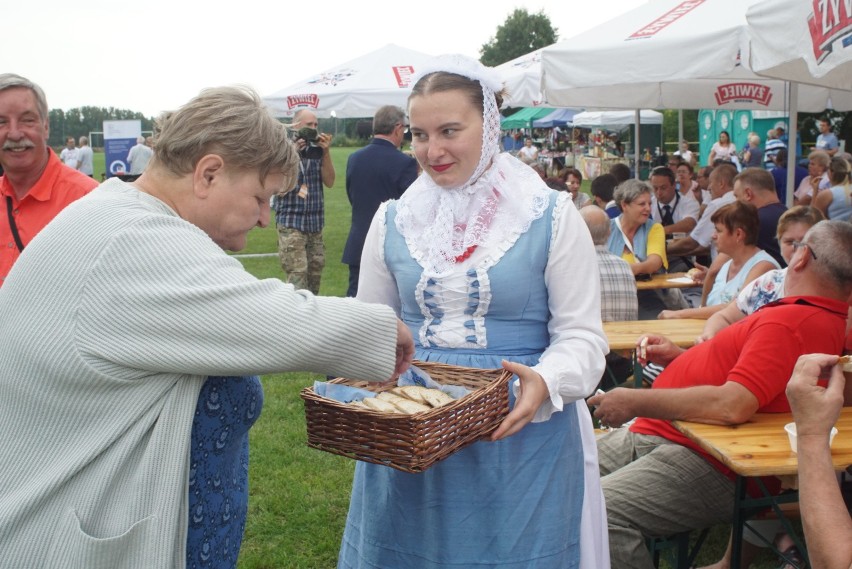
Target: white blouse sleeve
{"points": [[573, 363], [376, 284]]}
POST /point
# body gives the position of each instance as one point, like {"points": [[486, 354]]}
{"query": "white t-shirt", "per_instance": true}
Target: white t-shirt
{"points": [[686, 155], [703, 232], [688, 206], [724, 152], [69, 157], [85, 156], [528, 154]]}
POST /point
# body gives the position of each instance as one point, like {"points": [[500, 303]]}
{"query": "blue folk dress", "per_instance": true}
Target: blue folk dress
{"points": [[227, 408], [512, 504]]}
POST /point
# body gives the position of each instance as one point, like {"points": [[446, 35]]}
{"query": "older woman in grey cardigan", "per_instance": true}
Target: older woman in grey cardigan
{"points": [[129, 343]]}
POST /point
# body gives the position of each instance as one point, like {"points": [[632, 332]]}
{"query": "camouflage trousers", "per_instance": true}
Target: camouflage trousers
{"points": [[302, 257]]}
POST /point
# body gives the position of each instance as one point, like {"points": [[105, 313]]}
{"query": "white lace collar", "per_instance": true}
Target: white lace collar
{"points": [[439, 224]]}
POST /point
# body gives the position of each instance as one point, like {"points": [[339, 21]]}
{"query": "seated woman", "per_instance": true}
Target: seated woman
{"points": [[737, 225], [573, 178], [637, 239], [769, 287], [817, 179], [836, 202]]}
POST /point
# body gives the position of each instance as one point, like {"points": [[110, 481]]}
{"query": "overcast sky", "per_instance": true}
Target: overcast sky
{"points": [[155, 55]]}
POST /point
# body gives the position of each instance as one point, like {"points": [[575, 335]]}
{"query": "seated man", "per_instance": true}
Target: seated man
{"points": [[656, 481], [603, 189], [528, 154], [677, 212], [700, 241]]}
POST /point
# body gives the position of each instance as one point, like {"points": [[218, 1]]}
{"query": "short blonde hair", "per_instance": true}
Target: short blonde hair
{"points": [[231, 122], [821, 157], [805, 214]]}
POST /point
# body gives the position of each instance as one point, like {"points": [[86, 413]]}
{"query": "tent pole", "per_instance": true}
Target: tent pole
{"points": [[636, 154], [792, 159], [679, 129]]}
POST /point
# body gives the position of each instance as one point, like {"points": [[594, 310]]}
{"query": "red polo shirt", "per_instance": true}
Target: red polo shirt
{"points": [[58, 186], [758, 352]]}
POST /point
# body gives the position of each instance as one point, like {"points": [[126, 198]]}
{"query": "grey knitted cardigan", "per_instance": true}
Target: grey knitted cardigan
{"points": [[109, 323]]}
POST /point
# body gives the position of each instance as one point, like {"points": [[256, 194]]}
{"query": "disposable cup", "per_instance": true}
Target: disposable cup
{"points": [[791, 435]]}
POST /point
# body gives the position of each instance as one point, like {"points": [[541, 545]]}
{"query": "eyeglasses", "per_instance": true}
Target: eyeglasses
{"points": [[797, 244]]}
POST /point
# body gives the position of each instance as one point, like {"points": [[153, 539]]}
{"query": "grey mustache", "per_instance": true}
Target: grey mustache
{"points": [[10, 145]]}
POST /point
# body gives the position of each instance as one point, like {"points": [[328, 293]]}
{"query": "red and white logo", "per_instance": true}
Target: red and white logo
{"points": [[311, 100], [666, 19], [403, 75], [831, 21], [743, 93]]}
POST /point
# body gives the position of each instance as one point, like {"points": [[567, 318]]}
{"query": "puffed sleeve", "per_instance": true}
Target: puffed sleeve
{"points": [[573, 363], [375, 282]]}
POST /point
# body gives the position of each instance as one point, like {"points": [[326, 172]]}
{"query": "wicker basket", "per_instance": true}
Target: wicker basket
{"points": [[411, 443]]}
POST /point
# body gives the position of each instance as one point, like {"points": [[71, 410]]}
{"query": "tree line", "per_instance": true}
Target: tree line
{"points": [[82, 121]]}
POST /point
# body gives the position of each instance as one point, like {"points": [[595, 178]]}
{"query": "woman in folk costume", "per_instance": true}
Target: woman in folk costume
{"points": [[488, 267]]}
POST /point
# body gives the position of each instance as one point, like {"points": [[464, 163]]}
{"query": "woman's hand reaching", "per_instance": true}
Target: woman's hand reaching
{"points": [[532, 394]]}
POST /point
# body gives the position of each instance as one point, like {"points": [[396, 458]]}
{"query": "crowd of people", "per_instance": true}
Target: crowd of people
{"points": [[131, 343]]}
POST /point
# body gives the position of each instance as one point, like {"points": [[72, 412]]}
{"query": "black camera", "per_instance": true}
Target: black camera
{"points": [[312, 150]]}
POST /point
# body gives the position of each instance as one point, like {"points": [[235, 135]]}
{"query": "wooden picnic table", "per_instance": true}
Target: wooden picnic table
{"points": [[665, 280], [760, 447], [622, 334]]}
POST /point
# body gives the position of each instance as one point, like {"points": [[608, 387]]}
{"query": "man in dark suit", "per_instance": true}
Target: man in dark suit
{"points": [[376, 173]]}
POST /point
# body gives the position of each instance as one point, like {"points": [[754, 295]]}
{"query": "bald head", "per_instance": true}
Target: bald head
{"points": [[598, 222], [304, 117]]}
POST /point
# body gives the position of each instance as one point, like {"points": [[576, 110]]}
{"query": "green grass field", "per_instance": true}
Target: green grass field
{"points": [[300, 496]]}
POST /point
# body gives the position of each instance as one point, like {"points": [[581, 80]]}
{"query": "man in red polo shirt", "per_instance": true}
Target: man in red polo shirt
{"points": [[656, 481], [35, 185]]}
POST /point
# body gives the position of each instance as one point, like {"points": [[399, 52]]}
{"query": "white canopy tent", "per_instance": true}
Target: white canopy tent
{"points": [[616, 118], [353, 89], [674, 54], [522, 79], [818, 51], [816, 48], [670, 54]]}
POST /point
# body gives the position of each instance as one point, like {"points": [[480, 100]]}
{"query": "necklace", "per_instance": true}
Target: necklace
{"points": [[467, 253]]}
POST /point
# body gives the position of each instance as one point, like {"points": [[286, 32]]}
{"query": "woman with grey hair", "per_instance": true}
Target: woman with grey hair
{"points": [[817, 180], [131, 341], [637, 239]]}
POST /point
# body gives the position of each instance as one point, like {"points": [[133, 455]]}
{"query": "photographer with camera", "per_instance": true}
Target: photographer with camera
{"points": [[300, 212]]}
